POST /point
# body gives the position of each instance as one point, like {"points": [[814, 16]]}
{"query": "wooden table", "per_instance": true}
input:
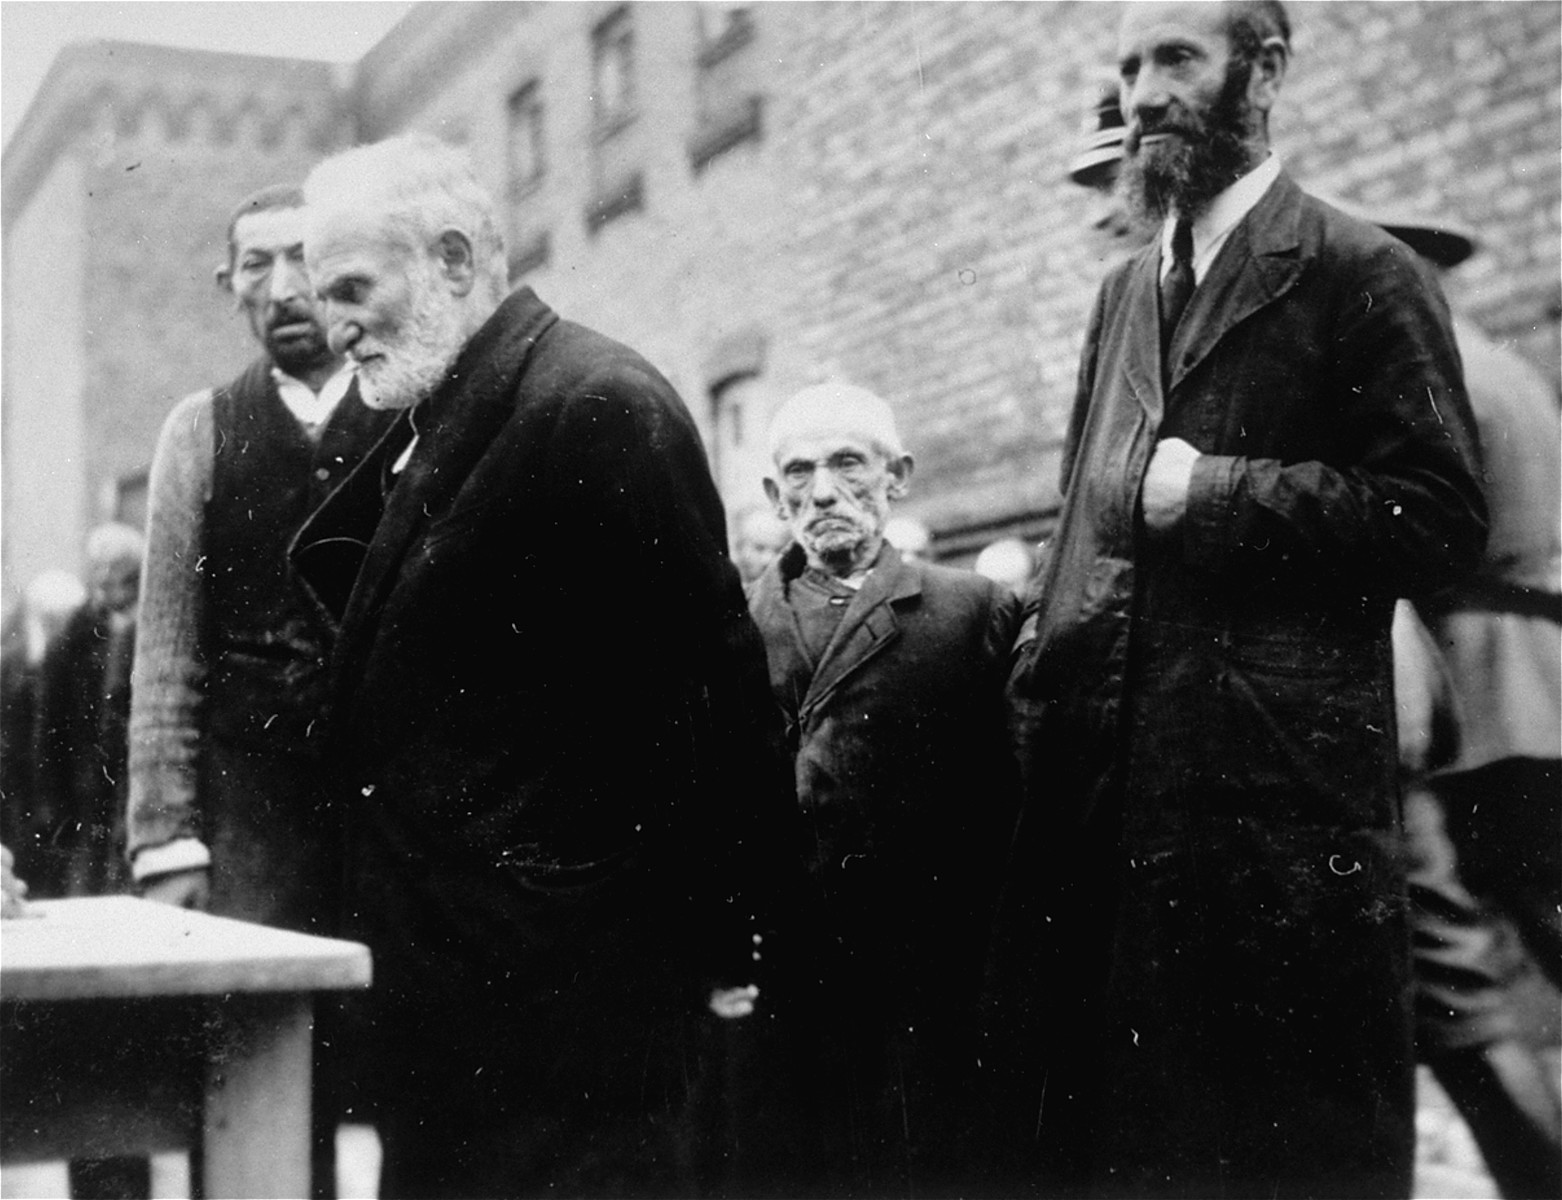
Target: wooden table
{"points": [[128, 1027]]}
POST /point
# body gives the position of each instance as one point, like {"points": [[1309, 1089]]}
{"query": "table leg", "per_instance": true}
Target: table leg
{"points": [[258, 1096]]}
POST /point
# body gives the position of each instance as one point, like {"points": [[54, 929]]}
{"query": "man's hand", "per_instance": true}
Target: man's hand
{"points": [[182, 889], [729, 1003], [13, 891], [1164, 497]]}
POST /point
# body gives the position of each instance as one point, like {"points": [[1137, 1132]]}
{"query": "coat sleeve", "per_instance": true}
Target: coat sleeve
{"points": [[168, 676], [1401, 511], [690, 665]]}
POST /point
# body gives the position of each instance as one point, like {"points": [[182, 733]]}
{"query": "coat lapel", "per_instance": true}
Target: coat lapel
{"points": [[455, 427], [868, 626], [328, 550], [1142, 362], [1254, 268]]}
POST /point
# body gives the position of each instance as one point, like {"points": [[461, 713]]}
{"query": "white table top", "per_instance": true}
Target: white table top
{"points": [[111, 946]]}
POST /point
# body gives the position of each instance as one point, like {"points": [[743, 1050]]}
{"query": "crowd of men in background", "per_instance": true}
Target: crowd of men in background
{"points": [[801, 864]]}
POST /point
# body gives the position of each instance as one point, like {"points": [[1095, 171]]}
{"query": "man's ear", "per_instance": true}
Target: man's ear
{"points": [[900, 475], [224, 277], [1268, 74], [457, 262], [773, 494]]}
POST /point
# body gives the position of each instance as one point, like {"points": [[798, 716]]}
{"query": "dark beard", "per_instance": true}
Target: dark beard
{"points": [[299, 355], [1207, 154]]}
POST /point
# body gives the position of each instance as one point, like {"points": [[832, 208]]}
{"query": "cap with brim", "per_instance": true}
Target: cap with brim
{"points": [[1101, 137], [1093, 166], [1446, 243]]}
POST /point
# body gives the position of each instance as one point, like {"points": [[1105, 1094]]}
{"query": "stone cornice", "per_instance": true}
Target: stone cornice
{"points": [[172, 82]]}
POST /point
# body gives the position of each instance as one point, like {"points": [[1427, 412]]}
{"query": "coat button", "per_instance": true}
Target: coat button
{"points": [[322, 473]]}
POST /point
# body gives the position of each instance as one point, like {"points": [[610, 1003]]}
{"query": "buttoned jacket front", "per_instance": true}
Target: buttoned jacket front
{"points": [[1213, 708]]}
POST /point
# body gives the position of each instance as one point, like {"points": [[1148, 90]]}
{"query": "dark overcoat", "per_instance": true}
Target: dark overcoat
{"points": [[907, 789], [84, 711], [559, 757], [1206, 721]]}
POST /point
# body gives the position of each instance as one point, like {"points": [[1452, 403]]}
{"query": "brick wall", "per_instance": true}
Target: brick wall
{"points": [[906, 221], [902, 220]]}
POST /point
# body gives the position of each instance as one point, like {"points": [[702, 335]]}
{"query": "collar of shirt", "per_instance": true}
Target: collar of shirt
{"points": [[312, 409], [1213, 227]]}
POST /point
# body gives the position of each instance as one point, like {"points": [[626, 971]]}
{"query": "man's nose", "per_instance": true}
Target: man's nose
{"points": [[1146, 96], [826, 486], [288, 281], [341, 334]]}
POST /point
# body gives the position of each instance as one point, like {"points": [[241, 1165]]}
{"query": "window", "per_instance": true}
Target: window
{"points": [[525, 144], [740, 406], [617, 152], [612, 72], [728, 106], [128, 498], [724, 29]]}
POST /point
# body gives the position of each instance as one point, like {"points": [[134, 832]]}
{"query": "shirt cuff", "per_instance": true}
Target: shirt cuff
{"points": [[181, 854], [1207, 526]]}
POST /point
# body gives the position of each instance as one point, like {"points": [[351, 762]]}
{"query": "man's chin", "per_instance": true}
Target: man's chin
{"points": [[298, 355], [388, 397], [835, 548]]}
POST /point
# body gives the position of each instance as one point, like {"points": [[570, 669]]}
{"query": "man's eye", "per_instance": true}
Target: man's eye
{"points": [[797, 474], [251, 265]]}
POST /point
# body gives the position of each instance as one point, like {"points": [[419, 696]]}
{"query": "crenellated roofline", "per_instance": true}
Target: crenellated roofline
{"points": [[174, 84]]}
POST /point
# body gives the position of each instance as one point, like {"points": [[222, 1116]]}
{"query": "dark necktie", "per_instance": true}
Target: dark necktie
{"points": [[1178, 284]]}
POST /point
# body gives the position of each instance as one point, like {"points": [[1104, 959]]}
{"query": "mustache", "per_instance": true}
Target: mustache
{"points": [[1183, 126], [289, 314]]}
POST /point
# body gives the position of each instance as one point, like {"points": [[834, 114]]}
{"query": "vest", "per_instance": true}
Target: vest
{"points": [[266, 644]]}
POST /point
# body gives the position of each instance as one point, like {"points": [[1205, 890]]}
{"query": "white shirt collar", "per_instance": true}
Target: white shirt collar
{"points": [[1213, 226], [310, 408]]}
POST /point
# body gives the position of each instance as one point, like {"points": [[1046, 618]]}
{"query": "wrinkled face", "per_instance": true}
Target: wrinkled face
{"points": [[387, 310], [267, 276], [834, 488], [1190, 122], [115, 585]]}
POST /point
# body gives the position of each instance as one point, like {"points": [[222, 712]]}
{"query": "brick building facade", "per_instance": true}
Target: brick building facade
{"points": [[756, 197]]}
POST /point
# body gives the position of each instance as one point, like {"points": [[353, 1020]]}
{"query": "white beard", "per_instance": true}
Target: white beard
{"points": [[410, 370]]}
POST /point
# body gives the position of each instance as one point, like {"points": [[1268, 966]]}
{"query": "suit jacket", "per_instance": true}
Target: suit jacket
{"points": [[907, 790], [1225, 694], [557, 752], [898, 736]]}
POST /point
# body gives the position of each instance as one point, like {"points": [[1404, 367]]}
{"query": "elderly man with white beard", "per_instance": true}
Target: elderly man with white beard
{"points": [[565, 801]]}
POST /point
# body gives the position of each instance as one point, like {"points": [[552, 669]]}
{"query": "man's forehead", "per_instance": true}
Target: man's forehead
{"points": [[826, 438], [344, 236], [270, 228], [1146, 24]]}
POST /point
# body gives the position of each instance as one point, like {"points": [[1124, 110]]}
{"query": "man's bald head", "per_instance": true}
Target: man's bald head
{"points": [[838, 462]]}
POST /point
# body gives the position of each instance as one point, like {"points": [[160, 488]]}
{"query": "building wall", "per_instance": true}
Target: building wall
{"points": [[905, 220], [46, 442], [702, 266], [1453, 109], [147, 154], [902, 217]]}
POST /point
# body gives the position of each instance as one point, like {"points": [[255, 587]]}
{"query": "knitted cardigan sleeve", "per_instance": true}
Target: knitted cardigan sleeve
{"points": [[163, 816]]}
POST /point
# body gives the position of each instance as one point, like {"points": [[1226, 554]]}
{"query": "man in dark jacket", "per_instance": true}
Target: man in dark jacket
{"points": [[1270, 442], [227, 807], [889, 675], [561, 769], [84, 707]]}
